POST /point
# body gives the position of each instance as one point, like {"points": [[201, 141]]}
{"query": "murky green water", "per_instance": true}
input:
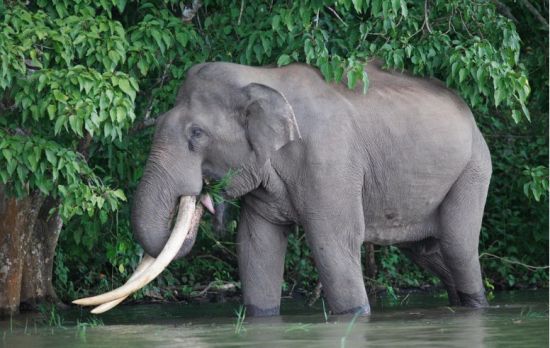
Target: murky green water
{"points": [[516, 319]]}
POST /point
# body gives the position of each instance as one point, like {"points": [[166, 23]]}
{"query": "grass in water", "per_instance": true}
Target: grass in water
{"points": [[91, 322], [325, 313], [50, 316], [299, 327], [348, 329], [239, 324], [529, 313], [82, 326]]}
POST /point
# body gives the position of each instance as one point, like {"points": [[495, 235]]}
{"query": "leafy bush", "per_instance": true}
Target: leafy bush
{"points": [[80, 81]]}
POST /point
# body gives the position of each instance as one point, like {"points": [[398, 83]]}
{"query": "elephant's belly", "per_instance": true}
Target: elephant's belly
{"points": [[388, 233]]}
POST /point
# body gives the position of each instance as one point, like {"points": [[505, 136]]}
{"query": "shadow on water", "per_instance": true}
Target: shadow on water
{"points": [[515, 319]]}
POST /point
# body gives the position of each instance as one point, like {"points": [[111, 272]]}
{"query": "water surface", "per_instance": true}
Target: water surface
{"points": [[515, 319]]}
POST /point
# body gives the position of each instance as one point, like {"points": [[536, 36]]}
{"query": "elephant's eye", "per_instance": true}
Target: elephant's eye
{"points": [[196, 132]]}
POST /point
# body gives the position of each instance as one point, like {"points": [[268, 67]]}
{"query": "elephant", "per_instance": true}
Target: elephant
{"points": [[403, 164]]}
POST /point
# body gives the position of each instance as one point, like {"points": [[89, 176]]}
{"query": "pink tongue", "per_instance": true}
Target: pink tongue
{"points": [[206, 200]]}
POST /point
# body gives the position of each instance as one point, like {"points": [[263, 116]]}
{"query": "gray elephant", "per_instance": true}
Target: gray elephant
{"points": [[403, 164]]}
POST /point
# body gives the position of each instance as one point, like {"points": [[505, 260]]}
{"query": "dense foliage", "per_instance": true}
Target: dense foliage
{"points": [[81, 81]]}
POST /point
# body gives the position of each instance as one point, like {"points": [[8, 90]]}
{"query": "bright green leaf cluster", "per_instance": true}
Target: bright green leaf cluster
{"points": [[537, 182], [29, 163], [78, 100]]}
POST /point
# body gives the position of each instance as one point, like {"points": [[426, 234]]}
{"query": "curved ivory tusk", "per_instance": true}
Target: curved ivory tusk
{"points": [[143, 265], [173, 245], [148, 260], [207, 202]]}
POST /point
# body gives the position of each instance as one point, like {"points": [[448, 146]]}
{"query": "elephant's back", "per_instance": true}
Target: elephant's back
{"points": [[419, 138]]}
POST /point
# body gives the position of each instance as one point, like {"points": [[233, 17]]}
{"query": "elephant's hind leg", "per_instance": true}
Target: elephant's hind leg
{"points": [[461, 213], [427, 254]]}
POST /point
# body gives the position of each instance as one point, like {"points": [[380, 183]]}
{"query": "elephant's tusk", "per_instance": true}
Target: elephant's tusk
{"points": [[148, 260], [206, 201], [173, 245], [143, 265]]}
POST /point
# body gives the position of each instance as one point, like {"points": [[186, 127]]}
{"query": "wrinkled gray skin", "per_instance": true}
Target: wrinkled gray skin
{"points": [[404, 164]]}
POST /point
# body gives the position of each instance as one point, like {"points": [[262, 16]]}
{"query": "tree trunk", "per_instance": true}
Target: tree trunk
{"points": [[28, 237], [370, 270], [370, 261]]}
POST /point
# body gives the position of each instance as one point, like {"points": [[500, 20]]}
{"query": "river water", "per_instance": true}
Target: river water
{"points": [[515, 319]]}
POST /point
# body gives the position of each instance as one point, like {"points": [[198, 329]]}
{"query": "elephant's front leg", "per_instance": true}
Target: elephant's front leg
{"points": [[336, 245], [261, 248]]}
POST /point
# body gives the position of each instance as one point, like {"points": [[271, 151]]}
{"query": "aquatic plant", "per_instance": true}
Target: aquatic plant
{"points": [[325, 313], [239, 324], [299, 327], [349, 328], [51, 317]]}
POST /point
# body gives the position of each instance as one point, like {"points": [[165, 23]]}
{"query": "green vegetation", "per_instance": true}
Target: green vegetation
{"points": [[349, 328], [51, 317], [81, 82], [239, 322]]}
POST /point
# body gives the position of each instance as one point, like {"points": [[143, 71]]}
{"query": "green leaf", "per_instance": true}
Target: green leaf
{"points": [[182, 38], [120, 114], [498, 96], [51, 157], [365, 81], [525, 111], [404, 10], [7, 154], [462, 75], [357, 4], [73, 123], [120, 4], [119, 194], [352, 79], [60, 97], [284, 59], [516, 115], [126, 88], [395, 5], [60, 122], [52, 111], [33, 161]]}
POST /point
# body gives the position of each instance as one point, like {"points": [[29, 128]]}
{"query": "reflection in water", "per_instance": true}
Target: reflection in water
{"points": [[516, 319]]}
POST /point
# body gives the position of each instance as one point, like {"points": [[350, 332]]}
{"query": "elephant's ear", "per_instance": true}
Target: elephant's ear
{"points": [[269, 118]]}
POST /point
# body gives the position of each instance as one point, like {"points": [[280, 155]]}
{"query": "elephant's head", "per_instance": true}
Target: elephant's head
{"points": [[221, 121]]}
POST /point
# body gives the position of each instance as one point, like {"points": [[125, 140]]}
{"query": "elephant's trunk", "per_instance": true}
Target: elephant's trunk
{"points": [[152, 213], [154, 204], [156, 199]]}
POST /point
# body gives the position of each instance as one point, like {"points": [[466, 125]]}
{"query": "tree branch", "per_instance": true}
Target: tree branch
{"points": [[145, 123], [337, 15], [84, 145], [513, 262], [240, 13], [504, 10], [426, 20], [535, 13]]}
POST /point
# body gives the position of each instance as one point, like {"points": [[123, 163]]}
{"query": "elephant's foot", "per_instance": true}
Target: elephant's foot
{"points": [[362, 311], [255, 311], [477, 300], [454, 299]]}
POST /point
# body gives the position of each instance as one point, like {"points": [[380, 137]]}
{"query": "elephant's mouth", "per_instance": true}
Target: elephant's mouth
{"points": [[182, 236]]}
